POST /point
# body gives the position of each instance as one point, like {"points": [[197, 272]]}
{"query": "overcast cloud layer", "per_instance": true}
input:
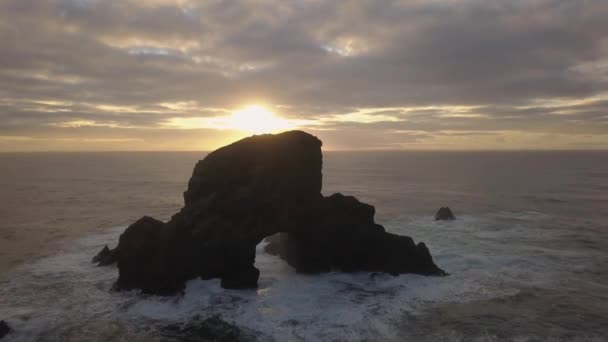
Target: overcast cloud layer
{"points": [[375, 74]]}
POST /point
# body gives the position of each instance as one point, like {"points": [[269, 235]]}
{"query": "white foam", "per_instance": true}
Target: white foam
{"points": [[67, 290]]}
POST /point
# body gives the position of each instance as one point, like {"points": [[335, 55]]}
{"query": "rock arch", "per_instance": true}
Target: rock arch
{"points": [[249, 190]]}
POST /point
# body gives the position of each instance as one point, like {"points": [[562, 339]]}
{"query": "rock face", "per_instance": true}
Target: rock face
{"points": [[247, 191], [4, 329], [444, 213]]}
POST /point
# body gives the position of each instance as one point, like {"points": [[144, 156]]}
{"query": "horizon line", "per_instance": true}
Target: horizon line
{"points": [[323, 150]]}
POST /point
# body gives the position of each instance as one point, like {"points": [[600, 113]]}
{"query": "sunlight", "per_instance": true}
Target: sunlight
{"points": [[256, 119], [253, 119]]}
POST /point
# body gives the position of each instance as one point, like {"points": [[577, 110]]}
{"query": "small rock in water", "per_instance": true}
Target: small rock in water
{"points": [[210, 329], [105, 257], [444, 213], [4, 329]]}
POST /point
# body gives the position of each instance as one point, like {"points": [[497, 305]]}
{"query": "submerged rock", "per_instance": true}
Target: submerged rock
{"points": [[4, 329], [444, 213], [210, 329], [247, 191]]}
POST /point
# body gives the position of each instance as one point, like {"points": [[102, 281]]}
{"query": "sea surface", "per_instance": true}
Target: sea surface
{"points": [[527, 254]]}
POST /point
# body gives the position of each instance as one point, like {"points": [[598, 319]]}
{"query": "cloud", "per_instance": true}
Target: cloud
{"points": [[339, 67]]}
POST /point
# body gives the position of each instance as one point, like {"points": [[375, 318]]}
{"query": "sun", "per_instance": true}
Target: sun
{"points": [[256, 119]]}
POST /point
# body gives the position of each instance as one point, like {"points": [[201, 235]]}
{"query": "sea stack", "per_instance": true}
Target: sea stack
{"points": [[247, 191], [444, 213]]}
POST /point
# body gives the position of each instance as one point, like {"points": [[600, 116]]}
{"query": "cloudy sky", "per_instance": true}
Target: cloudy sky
{"points": [[365, 74]]}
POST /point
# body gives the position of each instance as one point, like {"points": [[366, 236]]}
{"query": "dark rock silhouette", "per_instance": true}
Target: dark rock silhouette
{"points": [[211, 329], [444, 213], [105, 257], [247, 191], [4, 329]]}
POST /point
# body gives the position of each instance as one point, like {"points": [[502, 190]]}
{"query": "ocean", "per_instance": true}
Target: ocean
{"points": [[527, 254]]}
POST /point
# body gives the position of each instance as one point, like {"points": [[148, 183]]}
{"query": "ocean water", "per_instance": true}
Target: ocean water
{"points": [[528, 253]]}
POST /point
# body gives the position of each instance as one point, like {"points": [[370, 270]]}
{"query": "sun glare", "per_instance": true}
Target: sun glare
{"points": [[258, 120]]}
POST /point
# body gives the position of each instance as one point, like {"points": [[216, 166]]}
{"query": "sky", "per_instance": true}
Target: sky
{"points": [[101, 75]]}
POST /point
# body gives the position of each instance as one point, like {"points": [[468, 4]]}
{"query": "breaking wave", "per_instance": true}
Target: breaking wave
{"points": [[65, 297]]}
